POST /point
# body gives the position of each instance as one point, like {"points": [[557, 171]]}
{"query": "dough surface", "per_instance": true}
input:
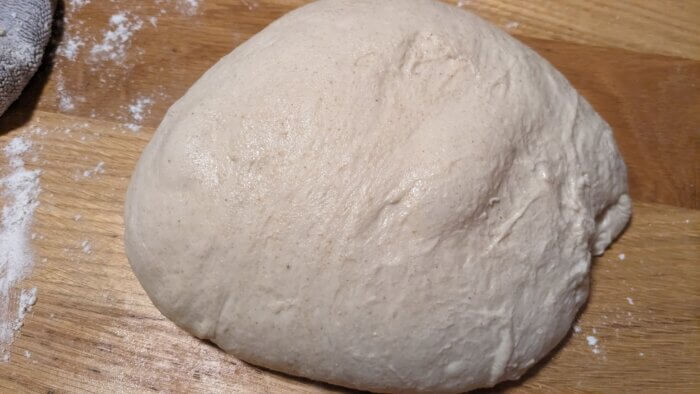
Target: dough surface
{"points": [[387, 195]]}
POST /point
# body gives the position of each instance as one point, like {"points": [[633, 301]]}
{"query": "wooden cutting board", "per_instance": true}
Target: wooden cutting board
{"points": [[94, 329]]}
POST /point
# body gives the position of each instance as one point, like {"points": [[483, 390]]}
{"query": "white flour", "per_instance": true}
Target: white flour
{"points": [[65, 100], [511, 25], [99, 169], [72, 41], [75, 5], [133, 127], [116, 41], [20, 192], [86, 247], [187, 7], [593, 343], [27, 299], [251, 4], [139, 107], [70, 48]]}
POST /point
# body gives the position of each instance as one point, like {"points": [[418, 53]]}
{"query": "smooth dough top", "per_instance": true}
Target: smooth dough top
{"points": [[389, 195]]}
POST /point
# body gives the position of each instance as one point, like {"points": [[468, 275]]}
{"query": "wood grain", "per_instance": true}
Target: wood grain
{"points": [[93, 328], [666, 27]]}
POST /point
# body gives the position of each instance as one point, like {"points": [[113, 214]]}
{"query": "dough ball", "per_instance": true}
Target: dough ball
{"points": [[386, 195]]}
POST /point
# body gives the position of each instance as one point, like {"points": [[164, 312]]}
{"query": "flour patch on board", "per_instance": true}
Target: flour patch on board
{"points": [[86, 247], [66, 102], [99, 169], [117, 40], [75, 5], [20, 191], [70, 48], [139, 108], [189, 6]]}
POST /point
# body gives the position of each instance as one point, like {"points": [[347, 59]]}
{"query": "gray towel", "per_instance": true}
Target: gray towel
{"points": [[25, 28]]}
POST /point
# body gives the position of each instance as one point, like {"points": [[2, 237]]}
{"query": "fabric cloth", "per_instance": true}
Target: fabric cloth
{"points": [[25, 28]]}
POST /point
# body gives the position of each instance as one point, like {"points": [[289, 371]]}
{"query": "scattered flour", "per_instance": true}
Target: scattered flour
{"points": [[188, 7], [36, 130], [27, 299], [593, 343], [116, 41], [86, 247], [630, 301], [71, 40], [138, 110], [511, 25], [140, 106], [70, 48], [133, 127], [65, 100], [577, 328], [251, 4], [462, 3], [75, 5], [621, 256], [20, 191], [99, 169]]}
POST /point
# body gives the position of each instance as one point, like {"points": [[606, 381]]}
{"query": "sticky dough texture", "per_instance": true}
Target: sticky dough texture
{"points": [[386, 195]]}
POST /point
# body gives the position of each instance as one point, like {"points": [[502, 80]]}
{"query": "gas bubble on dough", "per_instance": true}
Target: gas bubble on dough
{"points": [[387, 195]]}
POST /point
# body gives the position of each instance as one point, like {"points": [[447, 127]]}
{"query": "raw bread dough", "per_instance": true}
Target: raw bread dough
{"points": [[387, 195]]}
